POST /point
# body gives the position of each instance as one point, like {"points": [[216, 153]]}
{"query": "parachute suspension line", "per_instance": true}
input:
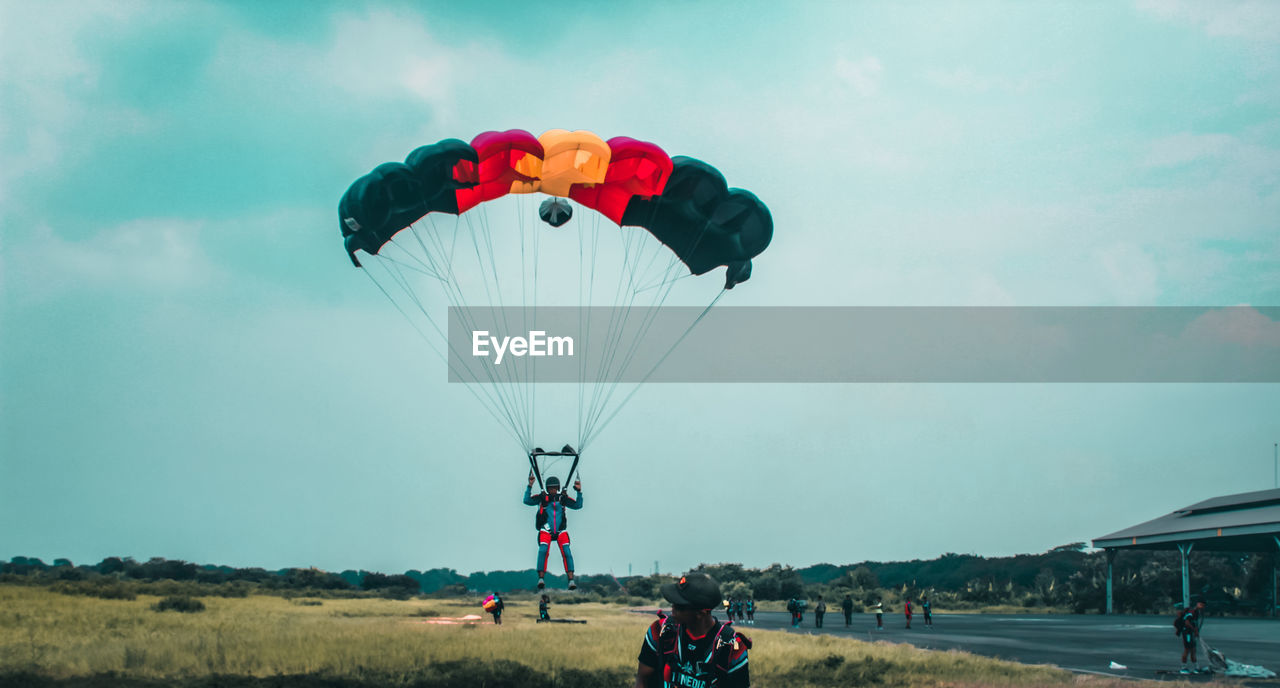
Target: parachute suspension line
{"points": [[520, 386], [613, 334], [456, 298], [511, 419], [489, 405], [497, 403], [512, 389], [409, 261], [586, 304], [610, 374], [529, 250], [531, 379], [649, 318], [689, 329], [453, 290], [526, 373], [598, 409]]}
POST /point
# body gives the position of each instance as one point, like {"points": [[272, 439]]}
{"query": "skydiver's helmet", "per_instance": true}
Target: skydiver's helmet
{"points": [[553, 482]]}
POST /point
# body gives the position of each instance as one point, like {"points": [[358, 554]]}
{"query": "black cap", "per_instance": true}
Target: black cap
{"points": [[553, 482], [696, 590]]}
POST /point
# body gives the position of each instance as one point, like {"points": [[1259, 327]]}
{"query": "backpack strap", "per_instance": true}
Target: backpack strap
{"points": [[669, 639], [728, 642]]}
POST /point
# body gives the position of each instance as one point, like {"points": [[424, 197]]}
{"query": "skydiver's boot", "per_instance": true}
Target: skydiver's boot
{"points": [[573, 585]]}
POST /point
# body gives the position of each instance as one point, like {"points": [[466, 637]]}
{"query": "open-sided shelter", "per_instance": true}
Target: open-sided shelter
{"points": [[1247, 522]]}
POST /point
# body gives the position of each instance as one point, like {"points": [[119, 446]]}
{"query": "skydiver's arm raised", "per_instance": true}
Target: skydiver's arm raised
{"points": [[529, 499], [572, 503]]}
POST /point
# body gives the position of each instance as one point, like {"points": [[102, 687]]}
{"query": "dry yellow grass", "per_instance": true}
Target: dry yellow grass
{"points": [[63, 636]]}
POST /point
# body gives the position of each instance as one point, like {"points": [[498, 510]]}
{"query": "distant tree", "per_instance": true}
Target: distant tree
{"points": [[452, 590], [645, 586], [397, 586], [724, 573], [736, 589], [110, 565], [322, 580], [862, 577]]}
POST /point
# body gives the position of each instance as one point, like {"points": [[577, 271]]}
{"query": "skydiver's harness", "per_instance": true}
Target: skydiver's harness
{"points": [[726, 642], [540, 521]]}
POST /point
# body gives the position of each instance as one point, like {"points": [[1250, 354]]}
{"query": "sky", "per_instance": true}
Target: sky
{"points": [[191, 368]]}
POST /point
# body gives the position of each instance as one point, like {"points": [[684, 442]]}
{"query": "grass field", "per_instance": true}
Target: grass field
{"points": [[52, 639]]}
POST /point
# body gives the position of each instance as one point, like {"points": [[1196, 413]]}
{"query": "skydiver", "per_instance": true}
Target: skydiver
{"points": [[551, 523]]}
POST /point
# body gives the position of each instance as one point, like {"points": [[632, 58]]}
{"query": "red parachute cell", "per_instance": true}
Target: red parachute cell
{"points": [[636, 168], [510, 161]]}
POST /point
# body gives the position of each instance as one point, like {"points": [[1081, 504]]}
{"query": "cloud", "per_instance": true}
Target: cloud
{"points": [[154, 253], [46, 76], [863, 74], [1131, 274], [1255, 20], [966, 80], [1236, 325], [1185, 147]]}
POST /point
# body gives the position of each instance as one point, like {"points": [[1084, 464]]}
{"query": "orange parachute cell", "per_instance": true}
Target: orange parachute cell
{"points": [[571, 158]]}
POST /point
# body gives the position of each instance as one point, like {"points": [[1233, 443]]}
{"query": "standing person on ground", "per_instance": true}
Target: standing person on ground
{"points": [[846, 606], [796, 607], [928, 612], [690, 648], [544, 604], [552, 522], [496, 607], [1189, 631], [751, 611], [906, 609], [818, 612], [879, 616]]}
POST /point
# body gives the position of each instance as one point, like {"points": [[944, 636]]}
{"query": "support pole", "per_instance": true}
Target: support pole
{"points": [[1111, 565], [1275, 563], [1185, 549]]}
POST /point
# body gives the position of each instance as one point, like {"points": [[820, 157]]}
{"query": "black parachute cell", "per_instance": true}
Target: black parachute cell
{"points": [[555, 211], [433, 166], [704, 222], [395, 195]]}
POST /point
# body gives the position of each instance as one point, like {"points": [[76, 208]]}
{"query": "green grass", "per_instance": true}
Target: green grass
{"points": [[62, 640]]}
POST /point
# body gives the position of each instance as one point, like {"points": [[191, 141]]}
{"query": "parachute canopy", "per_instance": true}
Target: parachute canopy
{"points": [[684, 202], [489, 268]]}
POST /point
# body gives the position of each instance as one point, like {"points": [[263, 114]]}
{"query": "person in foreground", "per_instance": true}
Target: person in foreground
{"points": [[690, 649], [551, 523]]}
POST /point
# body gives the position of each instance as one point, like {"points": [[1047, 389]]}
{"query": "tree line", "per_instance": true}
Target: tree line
{"points": [[1066, 578]]}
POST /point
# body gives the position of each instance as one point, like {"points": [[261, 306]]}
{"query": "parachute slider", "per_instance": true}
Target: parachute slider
{"points": [[564, 451], [555, 211]]}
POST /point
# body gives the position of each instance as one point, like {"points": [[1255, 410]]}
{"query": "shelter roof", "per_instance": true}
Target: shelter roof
{"points": [[1246, 522]]}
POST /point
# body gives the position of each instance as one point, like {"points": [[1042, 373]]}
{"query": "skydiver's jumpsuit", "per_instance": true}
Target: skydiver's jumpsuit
{"points": [[554, 528]]}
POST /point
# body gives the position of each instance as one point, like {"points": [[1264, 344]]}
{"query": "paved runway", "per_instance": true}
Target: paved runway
{"points": [[1145, 644]]}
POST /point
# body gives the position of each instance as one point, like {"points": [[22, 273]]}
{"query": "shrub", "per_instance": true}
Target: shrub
{"points": [[179, 603]]}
